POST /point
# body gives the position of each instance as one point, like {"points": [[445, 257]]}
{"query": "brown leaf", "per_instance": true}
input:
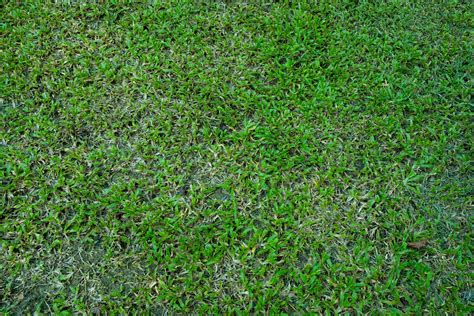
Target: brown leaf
{"points": [[418, 244]]}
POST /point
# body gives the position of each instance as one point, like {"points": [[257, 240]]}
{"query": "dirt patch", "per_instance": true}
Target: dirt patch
{"points": [[82, 274]]}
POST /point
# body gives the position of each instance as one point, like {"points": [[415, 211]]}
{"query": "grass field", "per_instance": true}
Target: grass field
{"points": [[250, 157]]}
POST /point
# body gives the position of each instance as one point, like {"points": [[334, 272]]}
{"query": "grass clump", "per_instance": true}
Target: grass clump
{"points": [[236, 157]]}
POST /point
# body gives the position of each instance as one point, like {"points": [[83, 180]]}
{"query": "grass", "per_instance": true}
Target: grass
{"points": [[232, 156]]}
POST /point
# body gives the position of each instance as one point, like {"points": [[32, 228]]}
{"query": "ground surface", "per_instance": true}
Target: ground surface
{"points": [[186, 157]]}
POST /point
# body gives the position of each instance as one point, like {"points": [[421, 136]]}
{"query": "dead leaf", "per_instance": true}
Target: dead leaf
{"points": [[417, 244]]}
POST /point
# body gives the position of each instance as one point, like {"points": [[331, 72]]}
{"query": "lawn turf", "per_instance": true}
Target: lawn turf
{"points": [[234, 156]]}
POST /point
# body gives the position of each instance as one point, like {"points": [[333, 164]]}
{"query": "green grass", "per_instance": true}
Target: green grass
{"points": [[192, 157]]}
